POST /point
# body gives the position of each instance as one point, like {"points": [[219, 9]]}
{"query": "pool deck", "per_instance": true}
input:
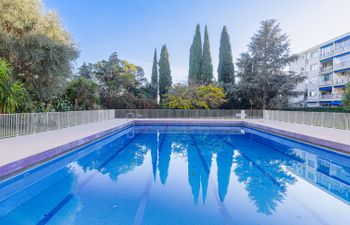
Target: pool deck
{"points": [[22, 152]]}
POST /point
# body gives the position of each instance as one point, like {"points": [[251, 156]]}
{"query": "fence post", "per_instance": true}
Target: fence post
{"points": [[16, 132], [47, 121], [322, 117]]}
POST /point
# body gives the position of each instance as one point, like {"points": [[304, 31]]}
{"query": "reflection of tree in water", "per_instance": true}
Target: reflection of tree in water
{"points": [[199, 164], [164, 157], [127, 161], [154, 152], [263, 175], [224, 162], [110, 160], [194, 172]]}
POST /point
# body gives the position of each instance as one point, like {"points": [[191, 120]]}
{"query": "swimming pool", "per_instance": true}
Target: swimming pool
{"points": [[183, 175]]}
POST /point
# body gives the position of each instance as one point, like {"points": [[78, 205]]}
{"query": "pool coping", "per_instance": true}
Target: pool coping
{"points": [[33, 160], [36, 159]]}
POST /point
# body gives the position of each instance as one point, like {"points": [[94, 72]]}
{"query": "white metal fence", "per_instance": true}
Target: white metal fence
{"points": [[188, 113], [321, 119], [28, 123]]}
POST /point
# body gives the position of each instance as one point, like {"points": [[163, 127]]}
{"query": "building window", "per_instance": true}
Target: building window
{"points": [[312, 93], [311, 163], [326, 51], [341, 59], [314, 54], [326, 77], [313, 67], [342, 44]]}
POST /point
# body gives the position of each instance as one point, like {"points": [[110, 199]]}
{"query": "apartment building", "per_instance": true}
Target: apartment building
{"points": [[327, 68]]}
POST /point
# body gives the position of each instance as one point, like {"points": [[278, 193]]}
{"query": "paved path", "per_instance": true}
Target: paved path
{"points": [[15, 148], [329, 134]]}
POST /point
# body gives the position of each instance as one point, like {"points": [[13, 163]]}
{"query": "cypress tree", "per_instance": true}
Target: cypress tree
{"points": [[154, 77], [165, 80], [207, 66], [226, 68], [195, 64]]}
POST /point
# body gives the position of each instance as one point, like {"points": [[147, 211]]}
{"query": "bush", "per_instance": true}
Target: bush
{"points": [[182, 96], [12, 93], [346, 100]]}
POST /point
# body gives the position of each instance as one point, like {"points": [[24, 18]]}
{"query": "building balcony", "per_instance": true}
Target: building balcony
{"points": [[342, 65], [337, 81], [325, 55], [341, 81], [326, 83], [327, 69], [342, 49], [330, 97]]}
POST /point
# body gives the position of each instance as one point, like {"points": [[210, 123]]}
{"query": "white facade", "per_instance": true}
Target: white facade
{"points": [[327, 68]]}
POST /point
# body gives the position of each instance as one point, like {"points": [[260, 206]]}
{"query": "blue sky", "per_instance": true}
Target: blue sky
{"points": [[133, 28]]}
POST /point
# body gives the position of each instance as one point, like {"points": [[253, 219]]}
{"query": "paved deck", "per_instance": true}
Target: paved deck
{"points": [[20, 152], [23, 149], [329, 134]]}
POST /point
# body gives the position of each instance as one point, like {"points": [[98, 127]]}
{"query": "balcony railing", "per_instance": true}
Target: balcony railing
{"points": [[336, 81], [342, 49], [326, 83], [331, 97], [327, 69], [327, 54], [342, 65], [340, 81]]}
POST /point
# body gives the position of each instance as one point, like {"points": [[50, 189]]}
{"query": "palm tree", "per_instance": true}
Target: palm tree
{"points": [[12, 92]]}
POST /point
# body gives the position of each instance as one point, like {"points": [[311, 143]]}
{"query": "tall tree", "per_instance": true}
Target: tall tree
{"points": [[207, 66], [86, 70], [346, 99], [121, 83], [195, 63], [264, 83], [226, 68], [154, 77], [40, 51], [83, 94], [165, 80]]}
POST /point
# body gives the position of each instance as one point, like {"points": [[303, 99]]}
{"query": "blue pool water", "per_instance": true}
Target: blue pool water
{"points": [[183, 175]]}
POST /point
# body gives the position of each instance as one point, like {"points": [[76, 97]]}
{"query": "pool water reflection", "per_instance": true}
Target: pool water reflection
{"points": [[184, 175]]}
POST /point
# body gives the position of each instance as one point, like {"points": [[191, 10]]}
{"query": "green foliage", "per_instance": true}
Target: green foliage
{"points": [[82, 93], [86, 70], [37, 47], [264, 83], [226, 68], [180, 96], [165, 80], [195, 64], [154, 77], [193, 97], [12, 93], [346, 99], [207, 66], [122, 84], [19, 18]]}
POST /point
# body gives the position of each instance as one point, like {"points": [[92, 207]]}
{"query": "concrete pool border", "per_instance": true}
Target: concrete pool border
{"points": [[36, 159], [33, 160]]}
